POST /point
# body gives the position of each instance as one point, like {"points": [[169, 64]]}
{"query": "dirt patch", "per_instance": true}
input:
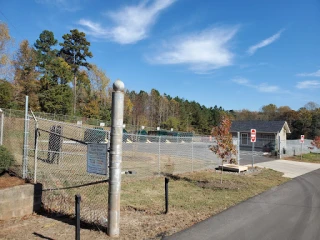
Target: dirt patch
{"points": [[7, 180]]}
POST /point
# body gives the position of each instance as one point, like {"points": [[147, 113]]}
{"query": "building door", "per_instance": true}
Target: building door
{"points": [[244, 138]]}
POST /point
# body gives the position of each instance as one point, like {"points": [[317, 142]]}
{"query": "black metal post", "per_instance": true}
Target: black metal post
{"points": [[166, 194], [78, 200]]}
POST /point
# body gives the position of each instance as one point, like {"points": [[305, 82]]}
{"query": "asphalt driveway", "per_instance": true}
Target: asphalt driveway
{"points": [[288, 212]]}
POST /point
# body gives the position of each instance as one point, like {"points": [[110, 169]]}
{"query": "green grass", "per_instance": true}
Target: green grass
{"points": [[309, 157], [198, 192], [193, 197]]}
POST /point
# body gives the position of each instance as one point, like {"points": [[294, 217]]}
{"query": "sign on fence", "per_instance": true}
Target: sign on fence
{"points": [[253, 135], [97, 158], [302, 139]]}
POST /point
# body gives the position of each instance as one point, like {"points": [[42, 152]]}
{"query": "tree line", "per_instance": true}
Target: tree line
{"points": [[58, 78], [304, 121]]}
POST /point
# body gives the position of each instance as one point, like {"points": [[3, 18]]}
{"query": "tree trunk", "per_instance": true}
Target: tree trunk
{"points": [[75, 94]]}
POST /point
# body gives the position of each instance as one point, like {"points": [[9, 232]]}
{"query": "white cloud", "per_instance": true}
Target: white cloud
{"points": [[264, 43], [308, 84], [65, 5], [241, 81], [262, 87], [202, 52], [314, 74], [131, 23]]}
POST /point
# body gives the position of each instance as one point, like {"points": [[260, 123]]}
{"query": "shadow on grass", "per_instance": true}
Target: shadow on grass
{"points": [[70, 220], [178, 178], [214, 185], [63, 217], [41, 236]]}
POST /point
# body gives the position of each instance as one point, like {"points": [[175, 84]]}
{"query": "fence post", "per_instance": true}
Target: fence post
{"points": [[77, 210], [166, 189], [159, 167], [2, 121], [25, 142], [115, 159], [35, 148], [238, 149], [192, 154]]}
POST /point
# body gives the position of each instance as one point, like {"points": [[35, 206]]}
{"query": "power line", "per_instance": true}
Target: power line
{"points": [[11, 24]]}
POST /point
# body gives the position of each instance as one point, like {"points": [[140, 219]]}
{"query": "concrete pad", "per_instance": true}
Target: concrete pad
{"points": [[290, 169], [233, 168]]}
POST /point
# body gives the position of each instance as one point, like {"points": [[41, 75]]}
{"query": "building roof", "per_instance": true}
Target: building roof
{"points": [[260, 126]]}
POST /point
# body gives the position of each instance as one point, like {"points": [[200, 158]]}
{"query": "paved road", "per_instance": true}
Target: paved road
{"points": [[194, 150], [288, 212], [258, 157]]}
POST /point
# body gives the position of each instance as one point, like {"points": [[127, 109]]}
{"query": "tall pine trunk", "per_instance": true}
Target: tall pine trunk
{"points": [[75, 94]]}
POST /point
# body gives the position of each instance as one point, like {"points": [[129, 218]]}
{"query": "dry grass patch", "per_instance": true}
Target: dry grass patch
{"points": [[193, 197]]}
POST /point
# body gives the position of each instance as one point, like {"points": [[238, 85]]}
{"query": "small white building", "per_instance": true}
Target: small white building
{"points": [[267, 136]]}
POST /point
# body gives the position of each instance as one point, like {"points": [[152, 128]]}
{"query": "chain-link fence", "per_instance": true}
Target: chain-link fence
{"points": [[295, 147], [59, 117], [55, 154], [264, 149], [154, 155]]}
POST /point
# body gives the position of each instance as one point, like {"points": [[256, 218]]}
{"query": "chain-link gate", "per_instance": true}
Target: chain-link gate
{"points": [[60, 164], [264, 149]]}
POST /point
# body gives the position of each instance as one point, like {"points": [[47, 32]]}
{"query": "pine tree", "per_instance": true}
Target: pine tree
{"points": [[75, 51]]}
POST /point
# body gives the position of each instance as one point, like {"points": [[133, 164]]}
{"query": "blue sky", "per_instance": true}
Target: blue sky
{"points": [[234, 54]]}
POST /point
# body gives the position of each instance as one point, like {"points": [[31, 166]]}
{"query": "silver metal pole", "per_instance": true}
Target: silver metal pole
{"points": [[192, 152], [115, 159], [36, 154], [252, 154], [238, 150], [159, 153], [35, 148], [25, 142], [2, 121]]}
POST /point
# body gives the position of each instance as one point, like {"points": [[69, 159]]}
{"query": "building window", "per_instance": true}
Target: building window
{"points": [[244, 138]]}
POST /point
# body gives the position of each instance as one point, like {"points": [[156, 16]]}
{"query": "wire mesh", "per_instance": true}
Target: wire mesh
{"points": [[294, 147], [62, 159], [154, 155], [62, 168]]}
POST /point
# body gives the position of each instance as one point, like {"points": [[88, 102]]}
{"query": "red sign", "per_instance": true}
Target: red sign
{"points": [[302, 139], [253, 135]]}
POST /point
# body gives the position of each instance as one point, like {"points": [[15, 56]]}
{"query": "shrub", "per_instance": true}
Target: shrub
{"points": [[316, 142], [6, 159]]}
